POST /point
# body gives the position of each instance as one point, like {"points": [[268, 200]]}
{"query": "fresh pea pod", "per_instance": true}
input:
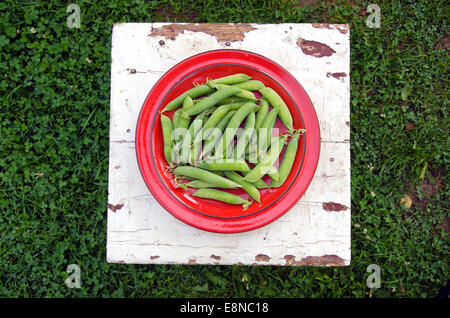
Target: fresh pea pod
{"points": [[211, 100], [273, 174], [233, 125], [205, 175], [246, 186], [251, 85], [176, 118], [234, 105], [267, 162], [230, 79], [265, 131], [245, 137], [277, 102], [259, 184], [193, 92], [187, 154], [287, 162], [225, 165], [221, 196], [182, 122], [167, 128], [215, 118], [262, 113], [215, 134], [233, 100], [198, 184], [198, 135], [243, 93]]}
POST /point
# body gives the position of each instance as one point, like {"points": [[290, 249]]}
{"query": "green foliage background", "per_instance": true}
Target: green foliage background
{"points": [[54, 124]]}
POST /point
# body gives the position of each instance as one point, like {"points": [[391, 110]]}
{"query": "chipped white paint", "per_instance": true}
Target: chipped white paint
{"points": [[144, 232]]}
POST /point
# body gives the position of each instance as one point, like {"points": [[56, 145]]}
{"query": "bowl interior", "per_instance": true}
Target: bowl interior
{"points": [[209, 207]]}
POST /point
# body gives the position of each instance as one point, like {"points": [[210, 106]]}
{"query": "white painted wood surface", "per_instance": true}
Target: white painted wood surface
{"points": [[316, 231]]}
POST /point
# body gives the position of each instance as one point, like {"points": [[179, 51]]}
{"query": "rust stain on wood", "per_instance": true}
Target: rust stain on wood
{"points": [[215, 257], [341, 28], [314, 48], [290, 259], [224, 32], [338, 75], [333, 206], [116, 207], [325, 260], [262, 258]]}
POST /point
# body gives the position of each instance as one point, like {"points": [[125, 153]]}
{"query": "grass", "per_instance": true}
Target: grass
{"points": [[54, 123]]}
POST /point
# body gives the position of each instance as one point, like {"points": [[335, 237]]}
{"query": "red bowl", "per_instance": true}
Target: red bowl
{"points": [[211, 215]]}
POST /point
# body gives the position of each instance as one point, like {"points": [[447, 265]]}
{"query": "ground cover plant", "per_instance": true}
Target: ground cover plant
{"points": [[54, 124]]}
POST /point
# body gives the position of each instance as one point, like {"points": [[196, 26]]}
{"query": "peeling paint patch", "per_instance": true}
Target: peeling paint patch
{"points": [[215, 257], [341, 28], [339, 75], [290, 259], [314, 48], [224, 32], [325, 260], [116, 207], [262, 258], [154, 256], [333, 206], [192, 261]]}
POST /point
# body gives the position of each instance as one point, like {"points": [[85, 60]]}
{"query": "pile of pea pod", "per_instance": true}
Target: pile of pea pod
{"points": [[221, 137]]}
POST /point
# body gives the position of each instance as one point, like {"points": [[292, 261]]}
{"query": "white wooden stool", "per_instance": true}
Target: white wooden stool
{"points": [[316, 231]]}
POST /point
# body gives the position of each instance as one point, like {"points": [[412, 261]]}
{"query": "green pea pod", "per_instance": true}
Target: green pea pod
{"points": [[198, 184], [193, 92], [262, 113], [167, 128], [187, 154], [223, 196], [176, 118], [233, 100], [273, 174], [287, 162], [277, 102], [267, 162], [211, 100], [245, 137], [182, 123], [246, 186], [265, 132], [251, 85], [215, 118], [230, 79], [243, 93], [205, 175], [225, 165], [259, 184], [232, 127], [216, 133]]}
